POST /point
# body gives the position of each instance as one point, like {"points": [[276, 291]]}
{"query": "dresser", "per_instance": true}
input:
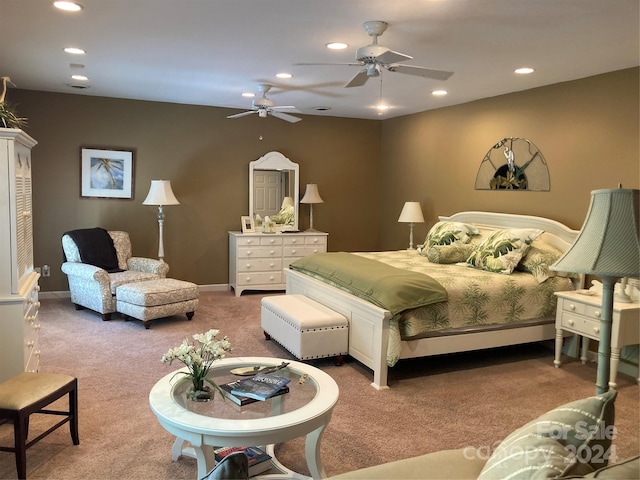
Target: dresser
{"points": [[19, 326], [256, 260], [580, 314]]}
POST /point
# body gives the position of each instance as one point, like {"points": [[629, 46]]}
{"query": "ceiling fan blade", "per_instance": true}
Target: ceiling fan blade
{"points": [[360, 79], [359, 64], [420, 71], [392, 57], [285, 107], [284, 116], [243, 114]]}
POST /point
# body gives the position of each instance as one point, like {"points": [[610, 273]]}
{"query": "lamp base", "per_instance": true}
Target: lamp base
{"points": [[311, 230]]}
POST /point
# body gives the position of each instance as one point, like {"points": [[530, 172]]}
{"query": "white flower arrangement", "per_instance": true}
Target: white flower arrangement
{"points": [[199, 356]]}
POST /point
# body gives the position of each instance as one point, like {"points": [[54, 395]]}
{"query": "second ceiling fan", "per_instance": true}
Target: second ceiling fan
{"points": [[374, 57]]}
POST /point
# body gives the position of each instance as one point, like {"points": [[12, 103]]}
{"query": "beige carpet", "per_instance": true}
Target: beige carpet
{"points": [[453, 401]]}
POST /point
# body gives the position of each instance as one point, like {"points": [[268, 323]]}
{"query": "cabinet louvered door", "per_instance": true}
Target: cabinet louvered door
{"points": [[24, 224]]}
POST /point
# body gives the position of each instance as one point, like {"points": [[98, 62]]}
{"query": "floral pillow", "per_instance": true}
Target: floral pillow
{"points": [[447, 233], [501, 251], [454, 253], [540, 256]]}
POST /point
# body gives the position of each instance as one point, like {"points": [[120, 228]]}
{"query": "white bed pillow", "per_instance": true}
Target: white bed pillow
{"points": [[502, 250]]}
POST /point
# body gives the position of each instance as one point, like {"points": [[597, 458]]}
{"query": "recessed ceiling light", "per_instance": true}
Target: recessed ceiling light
{"points": [[439, 93], [68, 6], [283, 75], [524, 70], [82, 78], [337, 45], [74, 51], [248, 94]]}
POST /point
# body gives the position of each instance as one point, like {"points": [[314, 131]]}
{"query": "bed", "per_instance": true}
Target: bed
{"points": [[379, 337]]}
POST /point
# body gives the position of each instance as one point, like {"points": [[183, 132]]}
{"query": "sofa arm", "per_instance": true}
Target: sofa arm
{"points": [[465, 463], [148, 265], [84, 270]]}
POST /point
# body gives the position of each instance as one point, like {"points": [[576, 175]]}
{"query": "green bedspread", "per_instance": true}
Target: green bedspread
{"points": [[388, 287]]}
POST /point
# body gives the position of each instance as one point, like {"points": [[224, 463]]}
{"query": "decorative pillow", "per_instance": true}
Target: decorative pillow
{"points": [[573, 439], [446, 233], [454, 253], [540, 256], [502, 250]]}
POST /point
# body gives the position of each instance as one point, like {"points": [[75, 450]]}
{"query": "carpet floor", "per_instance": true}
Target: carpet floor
{"points": [[451, 401]]}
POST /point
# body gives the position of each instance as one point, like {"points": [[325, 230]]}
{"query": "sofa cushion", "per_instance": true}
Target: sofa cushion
{"points": [[626, 469], [462, 464], [573, 439]]}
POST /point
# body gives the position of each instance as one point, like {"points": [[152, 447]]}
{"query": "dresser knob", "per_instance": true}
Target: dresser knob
{"points": [[30, 344], [271, 241], [597, 313], [570, 322], [248, 253], [249, 241], [596, 330], [37, 289], [294, 240], [37, 353], [315, 240], [293, 251], [248, 279], [272, 252], [248, 265], [572, 306], [271, 264], [271, 278]]}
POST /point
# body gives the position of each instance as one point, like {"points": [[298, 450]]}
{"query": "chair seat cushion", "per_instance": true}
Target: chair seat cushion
{"points": [[27, 388]]}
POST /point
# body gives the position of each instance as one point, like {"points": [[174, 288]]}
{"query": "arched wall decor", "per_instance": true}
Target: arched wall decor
{"points": [[513, 164]]}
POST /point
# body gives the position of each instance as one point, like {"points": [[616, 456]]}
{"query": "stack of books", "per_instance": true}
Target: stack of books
{"points": [[259, 460], [260, 387]]}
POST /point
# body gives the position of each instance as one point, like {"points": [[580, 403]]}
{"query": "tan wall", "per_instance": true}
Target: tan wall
{"points": [[587, 130], [206, 156]]}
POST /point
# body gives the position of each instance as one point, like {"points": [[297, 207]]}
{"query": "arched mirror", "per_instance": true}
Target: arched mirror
{"points": [[273, 191]]}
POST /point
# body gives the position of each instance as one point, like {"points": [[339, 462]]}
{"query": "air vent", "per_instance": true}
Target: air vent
{"points": [[321, 109], [79, 86]]}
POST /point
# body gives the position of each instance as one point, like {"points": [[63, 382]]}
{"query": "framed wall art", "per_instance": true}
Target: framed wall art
{"points": [[106, 172]]}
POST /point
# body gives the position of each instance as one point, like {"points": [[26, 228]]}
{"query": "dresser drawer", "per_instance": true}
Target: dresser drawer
{"points": [[302, 251], [260, 252], [259, 265], [259, 279], [262, 240], [305, 240], [580, 324]]}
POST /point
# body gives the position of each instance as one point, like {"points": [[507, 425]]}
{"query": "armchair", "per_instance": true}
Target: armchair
{"points": [[94, 287]]}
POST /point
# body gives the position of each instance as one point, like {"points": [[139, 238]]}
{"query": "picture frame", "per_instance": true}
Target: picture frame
{"points": [[107, 172], [247, 224]]}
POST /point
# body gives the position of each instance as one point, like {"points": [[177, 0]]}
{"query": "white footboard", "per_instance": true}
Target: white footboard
{"points": [[368, 324]]}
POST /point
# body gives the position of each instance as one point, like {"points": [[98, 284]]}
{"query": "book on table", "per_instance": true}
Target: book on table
{"points": [[242, 400], [261, 386], [259, 460]]}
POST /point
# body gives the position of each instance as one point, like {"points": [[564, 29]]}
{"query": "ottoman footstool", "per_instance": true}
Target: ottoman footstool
{"points": [[159, 298], [306, 328]]}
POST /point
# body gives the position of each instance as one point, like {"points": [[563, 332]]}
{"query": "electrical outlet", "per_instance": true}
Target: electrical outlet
{"points": [[45, 271]]}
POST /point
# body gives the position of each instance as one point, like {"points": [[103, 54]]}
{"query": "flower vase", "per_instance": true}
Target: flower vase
{"points": [[203, 394]]}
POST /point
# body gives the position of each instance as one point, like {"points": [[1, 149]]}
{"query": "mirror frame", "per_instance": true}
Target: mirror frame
{"points": [[276, 161]]}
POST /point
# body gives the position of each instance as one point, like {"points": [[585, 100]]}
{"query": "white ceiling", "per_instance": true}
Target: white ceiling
{"points": [[207, 52]]}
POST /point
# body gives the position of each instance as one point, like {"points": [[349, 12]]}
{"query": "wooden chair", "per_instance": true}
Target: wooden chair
{"points": [[30, 393]]}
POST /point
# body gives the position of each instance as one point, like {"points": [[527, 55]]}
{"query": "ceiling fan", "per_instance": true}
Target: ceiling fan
{"points": [[263, 107], [374, 57]]}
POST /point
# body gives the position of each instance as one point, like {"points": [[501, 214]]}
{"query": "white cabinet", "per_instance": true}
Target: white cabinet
{"points": [[580, 314], [19, 326], [256, 260]]}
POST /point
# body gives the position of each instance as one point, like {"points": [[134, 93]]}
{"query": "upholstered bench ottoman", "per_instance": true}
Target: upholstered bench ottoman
{"points": [[159, 298], [304, 327]]}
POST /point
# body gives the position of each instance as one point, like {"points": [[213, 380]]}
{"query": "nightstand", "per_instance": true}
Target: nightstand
{"points": [[579, 313]]}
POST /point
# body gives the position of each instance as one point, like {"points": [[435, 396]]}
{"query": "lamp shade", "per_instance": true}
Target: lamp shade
{"points": [[608, 243], [311, 194], [286, 202], [160, 193], [411, 213]]}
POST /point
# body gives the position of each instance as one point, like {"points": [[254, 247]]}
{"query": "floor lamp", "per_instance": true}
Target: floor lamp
{"points": [[311, 196], [608, 246], [160, 194], [411, 213]]}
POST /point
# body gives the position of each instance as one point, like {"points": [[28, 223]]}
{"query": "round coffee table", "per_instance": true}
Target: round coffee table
{"points": [[200, 426]]}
